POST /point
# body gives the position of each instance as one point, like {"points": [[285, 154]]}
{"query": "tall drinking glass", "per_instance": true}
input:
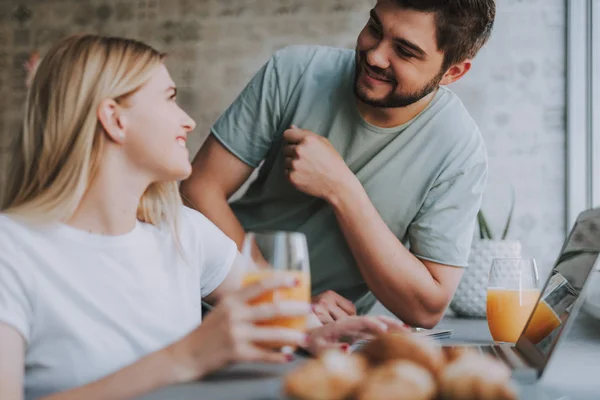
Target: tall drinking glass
{"points": [[511, 296], [278, 253]]}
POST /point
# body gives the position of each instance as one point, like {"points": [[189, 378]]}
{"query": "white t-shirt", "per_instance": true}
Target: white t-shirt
{"points": [[88, 305]]}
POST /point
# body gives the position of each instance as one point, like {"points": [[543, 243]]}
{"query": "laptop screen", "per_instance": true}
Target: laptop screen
{"points": [[562, 289]]}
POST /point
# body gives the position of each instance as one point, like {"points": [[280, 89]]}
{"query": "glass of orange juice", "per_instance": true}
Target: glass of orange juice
{"points": [[511, 296], [278, 253]]}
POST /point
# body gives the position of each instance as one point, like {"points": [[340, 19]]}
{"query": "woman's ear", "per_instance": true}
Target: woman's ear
{"points": [[111, 120]]}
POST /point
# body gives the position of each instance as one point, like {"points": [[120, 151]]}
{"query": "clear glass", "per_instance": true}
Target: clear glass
{"points": [[511, 296], [278, 253]]}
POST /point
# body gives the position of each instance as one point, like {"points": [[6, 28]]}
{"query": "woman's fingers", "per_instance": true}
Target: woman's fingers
{"points": [[257, 354], [267, 311], [393, 324], [281, 336], [354, 325], [276, 281]]}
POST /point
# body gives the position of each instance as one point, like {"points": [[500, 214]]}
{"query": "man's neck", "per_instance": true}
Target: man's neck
{"points": [[391, 117], [110, 204]]}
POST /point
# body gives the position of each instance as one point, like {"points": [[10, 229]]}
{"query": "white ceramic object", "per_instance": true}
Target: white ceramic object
{"points": [[470, 297]]}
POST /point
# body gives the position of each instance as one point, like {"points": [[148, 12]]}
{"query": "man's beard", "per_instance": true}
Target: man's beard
{"points": [[394, 98]]}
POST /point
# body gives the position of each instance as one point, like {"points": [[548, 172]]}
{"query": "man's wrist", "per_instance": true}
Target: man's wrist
{"points": [[345, 189]]}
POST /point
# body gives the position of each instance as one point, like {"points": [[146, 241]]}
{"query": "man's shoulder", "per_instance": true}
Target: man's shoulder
{"points": [[456, 132], [301, 57], [454, 114]]}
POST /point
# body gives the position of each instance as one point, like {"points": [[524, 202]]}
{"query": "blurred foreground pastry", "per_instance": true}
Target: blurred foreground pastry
{"points": [[473, 376], [333, 376], [398, 380], [451, 354], [406, 346]]}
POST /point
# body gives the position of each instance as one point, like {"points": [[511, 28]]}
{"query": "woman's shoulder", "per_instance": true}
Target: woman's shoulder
{"points": [[12, 231], [194, 222], [195, 229]]}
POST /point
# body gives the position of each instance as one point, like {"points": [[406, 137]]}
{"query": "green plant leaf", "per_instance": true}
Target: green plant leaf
{"points": [[484, 229], [480, 225]]}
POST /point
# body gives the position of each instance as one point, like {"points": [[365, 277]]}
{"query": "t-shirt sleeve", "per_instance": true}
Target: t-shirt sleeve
{"points": [[442, 231], [248, 126], [15, 306], [254, 121], [218, 255]]}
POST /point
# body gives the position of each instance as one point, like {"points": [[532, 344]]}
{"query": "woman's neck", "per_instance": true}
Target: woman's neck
{"points": [[110, 204]]}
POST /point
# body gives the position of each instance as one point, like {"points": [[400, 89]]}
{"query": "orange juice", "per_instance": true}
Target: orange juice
{"points": [[299, 293], [543, 322], [508, 311]]}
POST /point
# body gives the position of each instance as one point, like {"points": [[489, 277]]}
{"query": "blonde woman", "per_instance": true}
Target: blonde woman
{"points": [[102, 270]]}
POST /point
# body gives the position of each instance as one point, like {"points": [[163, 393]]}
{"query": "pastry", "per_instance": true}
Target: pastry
{"points": [[474, 376], [405, 346], [398, 380], [333, 376]]}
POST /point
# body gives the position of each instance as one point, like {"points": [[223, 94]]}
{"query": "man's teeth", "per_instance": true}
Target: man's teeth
{"points": [[181, 142]]}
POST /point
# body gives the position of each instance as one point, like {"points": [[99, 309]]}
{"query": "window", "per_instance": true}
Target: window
{"points": [[583, 107]]}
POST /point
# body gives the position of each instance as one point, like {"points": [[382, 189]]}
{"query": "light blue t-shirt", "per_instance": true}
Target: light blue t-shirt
{"points": [[425, 177]]}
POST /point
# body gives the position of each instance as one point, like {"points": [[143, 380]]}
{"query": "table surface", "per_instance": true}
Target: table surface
{"points": [[572, 374]]}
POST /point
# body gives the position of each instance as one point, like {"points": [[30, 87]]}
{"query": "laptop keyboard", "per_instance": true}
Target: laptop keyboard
{"points": [[505, 353]]}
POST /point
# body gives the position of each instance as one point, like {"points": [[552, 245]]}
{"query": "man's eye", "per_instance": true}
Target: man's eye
{"points": [[403, 53]]}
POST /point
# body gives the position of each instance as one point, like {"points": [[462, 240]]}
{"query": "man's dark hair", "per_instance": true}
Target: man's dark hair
{"points": [[462, 26]]}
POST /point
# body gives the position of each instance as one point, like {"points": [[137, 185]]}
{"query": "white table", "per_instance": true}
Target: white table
{"points": [[573, 374]]}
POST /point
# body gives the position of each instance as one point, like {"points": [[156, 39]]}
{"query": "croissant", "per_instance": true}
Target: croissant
{"points": [[405, 346], [334, 376], [398, 380], [452, 353], [474, 376]]}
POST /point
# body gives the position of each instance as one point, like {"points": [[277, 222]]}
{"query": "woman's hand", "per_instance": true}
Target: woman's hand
{"points": [[228, 333], [350, 329]]}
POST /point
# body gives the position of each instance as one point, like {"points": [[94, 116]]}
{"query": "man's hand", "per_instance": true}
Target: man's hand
{"points": [[313, 165], [330, 306]]}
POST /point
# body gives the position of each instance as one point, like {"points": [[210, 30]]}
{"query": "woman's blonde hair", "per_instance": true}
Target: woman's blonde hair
{"points": [[58, 153]]}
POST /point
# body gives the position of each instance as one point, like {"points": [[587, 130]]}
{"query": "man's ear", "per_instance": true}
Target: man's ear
{"points": [[111, 120], [455, 72]]}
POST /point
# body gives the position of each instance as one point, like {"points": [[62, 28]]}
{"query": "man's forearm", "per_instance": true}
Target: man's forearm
{"points": [[397, 278], [214, 205]]}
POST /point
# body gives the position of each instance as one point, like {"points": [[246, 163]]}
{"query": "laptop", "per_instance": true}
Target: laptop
{"points": [[556, 309]]}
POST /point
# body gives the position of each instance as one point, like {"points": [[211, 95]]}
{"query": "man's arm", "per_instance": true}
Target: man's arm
{"points": [[416, 291], [216, 175]]}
